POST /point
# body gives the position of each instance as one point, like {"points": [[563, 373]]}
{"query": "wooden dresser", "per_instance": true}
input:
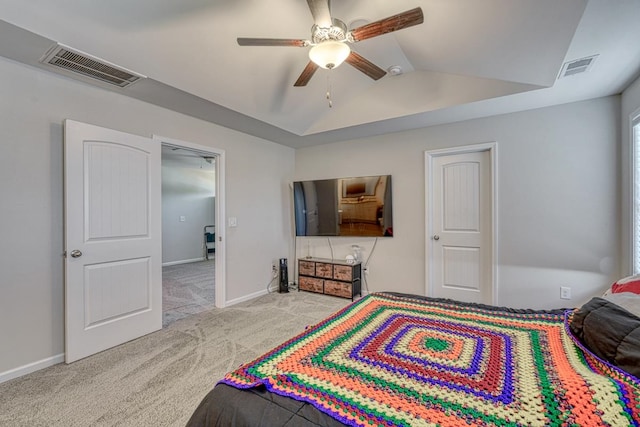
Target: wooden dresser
{"points": [[330, 277]]}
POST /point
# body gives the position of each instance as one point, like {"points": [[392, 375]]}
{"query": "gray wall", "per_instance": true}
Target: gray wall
{"points": [[186, 192], [558, 200], [33, 105]]}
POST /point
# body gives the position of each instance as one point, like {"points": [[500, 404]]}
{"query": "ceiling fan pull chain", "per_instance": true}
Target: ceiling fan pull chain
{"points": [[329, 89]]}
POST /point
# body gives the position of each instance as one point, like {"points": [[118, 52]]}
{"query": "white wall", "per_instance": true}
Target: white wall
{"points": [[630, 108], [186, 192], [557, 189], [33, 105]]}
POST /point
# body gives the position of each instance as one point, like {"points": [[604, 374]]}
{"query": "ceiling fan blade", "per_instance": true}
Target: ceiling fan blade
{"points": [[306, 75], [393, 23], [364, 65], [247, 41], [321, 11]]}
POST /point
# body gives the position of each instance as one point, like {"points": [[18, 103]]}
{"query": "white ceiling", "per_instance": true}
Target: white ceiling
{"points": [[470, 58]]}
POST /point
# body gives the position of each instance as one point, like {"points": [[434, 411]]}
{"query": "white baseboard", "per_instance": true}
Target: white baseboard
{"points": [[245, 298], [184, 261], [31, 367]]}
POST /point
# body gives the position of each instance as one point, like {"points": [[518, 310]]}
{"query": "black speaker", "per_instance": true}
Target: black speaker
{"points": [[284, 276]]}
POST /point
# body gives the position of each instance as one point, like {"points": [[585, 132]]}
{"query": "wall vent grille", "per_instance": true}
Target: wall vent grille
{"points": [[89, 66], [578, 66]]}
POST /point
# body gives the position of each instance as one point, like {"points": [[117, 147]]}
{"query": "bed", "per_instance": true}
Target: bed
{"points": [[392, 359], [364, 209]]}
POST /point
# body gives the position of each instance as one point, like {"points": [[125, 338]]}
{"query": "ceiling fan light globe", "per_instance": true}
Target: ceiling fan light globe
{"points": [[329, 54]]}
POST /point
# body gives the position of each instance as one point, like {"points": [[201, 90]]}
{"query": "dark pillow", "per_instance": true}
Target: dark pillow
{"points": [[610, 332]]}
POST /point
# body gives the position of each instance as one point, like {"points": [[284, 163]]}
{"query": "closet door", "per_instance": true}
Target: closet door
{"points": [[459, 243]]}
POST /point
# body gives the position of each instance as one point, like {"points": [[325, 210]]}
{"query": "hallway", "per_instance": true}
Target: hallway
{"points": [[187, 289]]}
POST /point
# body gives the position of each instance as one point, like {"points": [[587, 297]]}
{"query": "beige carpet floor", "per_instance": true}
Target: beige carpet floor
{"points": [[159, 379], [187, 289]]}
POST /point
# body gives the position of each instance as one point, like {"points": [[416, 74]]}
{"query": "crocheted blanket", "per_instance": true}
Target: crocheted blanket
{"points": [[389, 360]]}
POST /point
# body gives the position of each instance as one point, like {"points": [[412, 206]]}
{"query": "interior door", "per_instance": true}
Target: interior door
{"points": [[461, 227], [113, 271]]}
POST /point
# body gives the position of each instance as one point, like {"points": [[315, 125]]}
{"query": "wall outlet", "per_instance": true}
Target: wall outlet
{"points": [[565, 292], [366, 270], [274, 270]]}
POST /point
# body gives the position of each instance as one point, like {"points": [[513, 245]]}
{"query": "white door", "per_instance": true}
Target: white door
{"points": [[459, 239], [113, 271]]}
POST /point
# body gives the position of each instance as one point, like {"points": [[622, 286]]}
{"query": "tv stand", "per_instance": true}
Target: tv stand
{"points": [[326, 276]]}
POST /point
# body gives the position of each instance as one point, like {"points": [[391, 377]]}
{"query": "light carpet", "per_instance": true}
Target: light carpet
{"points": [[187, 289], [159, 379]]}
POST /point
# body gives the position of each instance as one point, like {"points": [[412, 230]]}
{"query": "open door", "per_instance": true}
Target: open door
{"points": [[113, 271]]}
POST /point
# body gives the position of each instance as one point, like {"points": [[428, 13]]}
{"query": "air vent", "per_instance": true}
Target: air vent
{"points": [[89, 66], [578, 66]]}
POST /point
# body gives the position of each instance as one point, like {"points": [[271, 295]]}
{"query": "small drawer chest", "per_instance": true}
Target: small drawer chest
{"points": [[326, 276]]}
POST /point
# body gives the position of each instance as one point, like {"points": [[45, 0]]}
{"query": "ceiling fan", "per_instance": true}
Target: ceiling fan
{"points": [[330, 40]]}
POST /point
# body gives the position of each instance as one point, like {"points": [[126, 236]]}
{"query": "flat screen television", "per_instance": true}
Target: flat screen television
{"points": [[358, 207]]}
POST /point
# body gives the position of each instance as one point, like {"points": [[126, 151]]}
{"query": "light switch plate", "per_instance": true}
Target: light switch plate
{"points": [[233, 221]]}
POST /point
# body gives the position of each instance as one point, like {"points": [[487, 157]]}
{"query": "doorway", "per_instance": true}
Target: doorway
{"points": [[188, 233], [192, 209], [113, 230], [461, 223]]}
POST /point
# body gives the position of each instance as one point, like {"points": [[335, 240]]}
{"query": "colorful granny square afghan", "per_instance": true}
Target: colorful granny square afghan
{"points": [[390, 360]]}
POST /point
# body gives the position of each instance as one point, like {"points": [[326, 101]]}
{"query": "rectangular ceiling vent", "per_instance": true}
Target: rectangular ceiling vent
{"points": [[578, 66], [77, 62]]}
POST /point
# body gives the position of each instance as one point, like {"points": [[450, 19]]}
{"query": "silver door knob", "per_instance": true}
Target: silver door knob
{"points": [[76, 253], [436, 237]]}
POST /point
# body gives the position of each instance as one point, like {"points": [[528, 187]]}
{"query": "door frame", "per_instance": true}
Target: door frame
{"points": [[429, 155], [220, 287]]}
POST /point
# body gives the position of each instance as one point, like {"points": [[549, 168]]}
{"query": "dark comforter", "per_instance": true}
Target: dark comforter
{"points": [[226, 406]]}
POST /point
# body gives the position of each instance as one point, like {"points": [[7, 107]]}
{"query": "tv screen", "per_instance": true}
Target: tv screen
{"points": [[359, 207]]}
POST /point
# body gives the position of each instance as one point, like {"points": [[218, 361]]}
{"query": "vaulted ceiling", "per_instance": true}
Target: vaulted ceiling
{"points": [[470, 58]]}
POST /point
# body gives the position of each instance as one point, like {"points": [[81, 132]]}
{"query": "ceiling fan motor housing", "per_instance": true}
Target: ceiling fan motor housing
{"points": [[336, 32]]}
